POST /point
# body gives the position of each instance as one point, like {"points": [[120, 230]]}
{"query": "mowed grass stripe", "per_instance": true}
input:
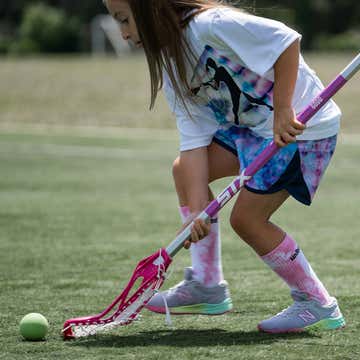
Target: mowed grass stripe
{"points": [[100, 131], [116, 145], [10, 149]]}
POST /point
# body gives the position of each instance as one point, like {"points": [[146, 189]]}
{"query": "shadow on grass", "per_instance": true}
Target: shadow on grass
{"points": [[188, 338]]}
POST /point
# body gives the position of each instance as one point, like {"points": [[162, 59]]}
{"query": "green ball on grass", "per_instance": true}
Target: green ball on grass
{"points": [[34, 327]]}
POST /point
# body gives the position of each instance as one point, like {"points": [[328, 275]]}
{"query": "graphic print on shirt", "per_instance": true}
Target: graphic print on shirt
{"points": [[234, 93]]}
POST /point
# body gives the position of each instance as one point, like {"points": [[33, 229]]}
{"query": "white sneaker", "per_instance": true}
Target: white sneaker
{"points": [[303, 315], [191, 297]]}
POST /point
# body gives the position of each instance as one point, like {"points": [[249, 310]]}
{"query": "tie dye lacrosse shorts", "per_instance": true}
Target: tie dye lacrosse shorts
{"points": [[297, 168]]}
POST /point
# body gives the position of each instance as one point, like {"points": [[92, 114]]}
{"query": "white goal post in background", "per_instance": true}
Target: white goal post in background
{"points": [[103, 28]]}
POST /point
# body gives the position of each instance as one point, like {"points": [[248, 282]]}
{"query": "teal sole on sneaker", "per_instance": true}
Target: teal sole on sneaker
{"points": [[325, 324], [197, 309], [328, 324]]}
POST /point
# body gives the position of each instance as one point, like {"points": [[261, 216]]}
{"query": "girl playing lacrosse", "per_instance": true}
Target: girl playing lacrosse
{"points": [[235, 81]]}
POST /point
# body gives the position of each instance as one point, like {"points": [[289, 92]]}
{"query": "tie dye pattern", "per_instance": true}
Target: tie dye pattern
{"points": [[314, 157], [233, 93], [289, 262], [206, 254]]}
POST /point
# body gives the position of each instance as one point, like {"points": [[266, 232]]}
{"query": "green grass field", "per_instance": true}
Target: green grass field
{"points": [[84, 198]]}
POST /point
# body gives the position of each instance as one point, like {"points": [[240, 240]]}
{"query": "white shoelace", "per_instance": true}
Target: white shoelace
{"points": [[168, 321]]}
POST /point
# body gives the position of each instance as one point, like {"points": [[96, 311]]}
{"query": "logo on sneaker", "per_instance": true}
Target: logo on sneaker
{"points": [[307, 316], [336, 313], [295, 254]]}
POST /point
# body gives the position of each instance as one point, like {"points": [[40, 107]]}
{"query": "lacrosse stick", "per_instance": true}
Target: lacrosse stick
{"points": [[151, 271]]}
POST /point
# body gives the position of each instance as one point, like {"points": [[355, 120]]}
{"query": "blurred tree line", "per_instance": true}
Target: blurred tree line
{"points": [[63, 25]]}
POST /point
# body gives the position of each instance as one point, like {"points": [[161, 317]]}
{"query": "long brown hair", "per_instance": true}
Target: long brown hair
{"points": [[160, 25]]}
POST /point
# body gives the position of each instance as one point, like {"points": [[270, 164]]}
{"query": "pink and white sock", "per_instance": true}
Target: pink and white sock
{"points": [[206, 254], [289, 262]]}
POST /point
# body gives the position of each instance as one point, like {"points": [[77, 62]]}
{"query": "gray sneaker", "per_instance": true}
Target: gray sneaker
{"points": [[304, 314], [191, 297]]}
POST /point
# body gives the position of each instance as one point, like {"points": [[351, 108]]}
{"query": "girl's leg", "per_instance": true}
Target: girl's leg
{"points": [[203, 291], [250, 219], [206, 254]]}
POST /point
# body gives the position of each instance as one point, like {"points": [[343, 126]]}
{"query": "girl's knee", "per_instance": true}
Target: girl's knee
{"points": [[237, 222], [176, 170], [179, 183], [244, 224]]}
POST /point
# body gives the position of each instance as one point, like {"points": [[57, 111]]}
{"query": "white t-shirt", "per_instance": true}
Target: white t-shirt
{"points": [[233, 80]]}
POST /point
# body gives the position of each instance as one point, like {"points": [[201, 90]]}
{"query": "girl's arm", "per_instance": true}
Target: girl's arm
{"points": [[195, 175], [286, 127]]}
